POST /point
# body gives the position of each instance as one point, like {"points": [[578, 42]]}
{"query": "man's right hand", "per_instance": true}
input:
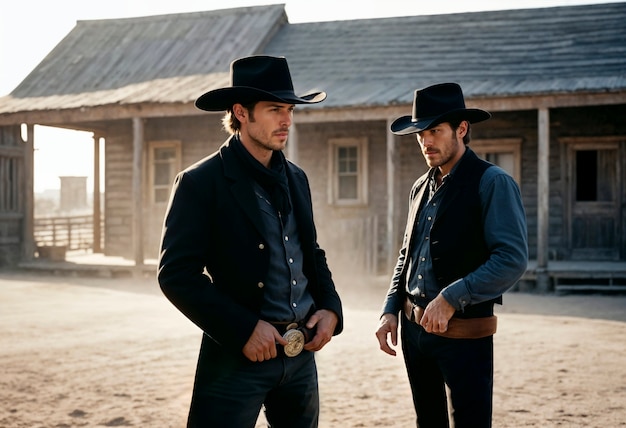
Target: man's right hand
{"points": [[388, 325], [261, 345]]}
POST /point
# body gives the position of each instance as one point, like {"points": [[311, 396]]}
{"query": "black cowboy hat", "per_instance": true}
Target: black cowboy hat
{"points": [[434, 105], [256, 78]]}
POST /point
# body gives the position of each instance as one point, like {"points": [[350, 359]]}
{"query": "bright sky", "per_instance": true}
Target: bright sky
{"points": [[30, 29]]}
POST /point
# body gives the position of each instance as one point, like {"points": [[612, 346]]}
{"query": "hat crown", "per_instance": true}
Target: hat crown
{"points": [[267, 73], [437, 100], [256, 78]]}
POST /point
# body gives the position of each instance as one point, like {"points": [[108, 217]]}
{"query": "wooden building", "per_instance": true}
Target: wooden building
{"points": [[553, 78]]}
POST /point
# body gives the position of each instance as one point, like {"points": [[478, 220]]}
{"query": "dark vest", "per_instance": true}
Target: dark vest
{"points": [[457, 242]]}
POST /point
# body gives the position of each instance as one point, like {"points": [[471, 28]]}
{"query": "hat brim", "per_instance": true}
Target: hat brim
{"points": [[224, 98], [406, 125]]}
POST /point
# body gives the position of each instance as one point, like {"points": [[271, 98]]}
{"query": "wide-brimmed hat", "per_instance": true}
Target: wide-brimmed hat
{"points": [[434, 105], [256, 78]]}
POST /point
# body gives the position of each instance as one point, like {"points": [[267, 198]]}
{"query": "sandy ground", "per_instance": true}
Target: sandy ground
{"points": [[92, 352]]}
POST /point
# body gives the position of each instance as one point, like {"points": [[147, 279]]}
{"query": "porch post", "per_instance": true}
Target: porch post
{"points": [[28, 229], [97, 214], [137, 196], [543, 199], [392, 223], [292, 144]]}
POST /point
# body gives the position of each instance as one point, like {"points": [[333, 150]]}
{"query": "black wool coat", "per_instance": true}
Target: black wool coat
{"points": [[214, 255]]}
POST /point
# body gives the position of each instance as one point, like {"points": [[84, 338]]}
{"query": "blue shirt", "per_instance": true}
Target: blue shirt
{"points": [[286, 297]]}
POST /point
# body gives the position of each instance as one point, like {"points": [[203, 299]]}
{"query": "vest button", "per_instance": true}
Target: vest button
{"points": [[260, 284]]}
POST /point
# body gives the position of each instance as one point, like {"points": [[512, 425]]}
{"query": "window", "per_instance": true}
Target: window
{"points": [[504, 152], [165, 160], [594, 168], [348, 171], [595, 172]]}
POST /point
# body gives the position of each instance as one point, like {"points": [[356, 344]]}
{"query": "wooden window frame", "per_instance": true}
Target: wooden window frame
{"points": [[361, 143], [502, 145], [152, 146]]}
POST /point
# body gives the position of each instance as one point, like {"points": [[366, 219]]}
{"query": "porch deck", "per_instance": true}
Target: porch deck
{"points": [[581, 275], [564, 276], [81, 263]]}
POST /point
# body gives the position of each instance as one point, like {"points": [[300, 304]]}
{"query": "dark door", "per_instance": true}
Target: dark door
{"points": [[595, 193]]}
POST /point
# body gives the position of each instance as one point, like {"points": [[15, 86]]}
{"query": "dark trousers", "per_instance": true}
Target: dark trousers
{"points": [[454, 373], [287, 387]]}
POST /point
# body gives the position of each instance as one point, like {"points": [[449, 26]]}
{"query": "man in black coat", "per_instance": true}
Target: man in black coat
{"points": [[239, 257]]}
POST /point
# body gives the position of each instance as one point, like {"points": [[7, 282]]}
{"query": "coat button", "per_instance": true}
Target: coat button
{"points": [[260, 284], [261, 246]]}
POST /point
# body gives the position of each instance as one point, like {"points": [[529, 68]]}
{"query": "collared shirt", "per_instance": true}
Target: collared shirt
{"points": [[421, 277], [286, 297], [504, 223]]}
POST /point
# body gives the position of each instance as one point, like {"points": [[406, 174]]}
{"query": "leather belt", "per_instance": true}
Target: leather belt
{"points": [[458, 328]]}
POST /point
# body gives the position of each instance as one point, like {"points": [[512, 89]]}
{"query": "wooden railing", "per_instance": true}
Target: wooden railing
{"points": [[71, 232]]}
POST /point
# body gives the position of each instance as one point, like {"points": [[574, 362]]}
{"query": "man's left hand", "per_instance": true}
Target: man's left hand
{"points": [[324, 322], [436, 315]]}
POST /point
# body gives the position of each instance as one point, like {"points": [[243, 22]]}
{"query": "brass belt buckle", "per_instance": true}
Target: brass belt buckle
{"points": [[295, 339]]}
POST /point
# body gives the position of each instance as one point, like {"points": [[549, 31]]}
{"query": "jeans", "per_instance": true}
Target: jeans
{"points": [[286, 387], [448, 377]]}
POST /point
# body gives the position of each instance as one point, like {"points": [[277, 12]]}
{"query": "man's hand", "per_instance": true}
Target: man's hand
{"points": [[388, 325], [436, 315], [261, 345], [325, 322]]}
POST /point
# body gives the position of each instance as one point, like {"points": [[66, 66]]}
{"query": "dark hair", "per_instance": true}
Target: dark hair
{"points": [[230, 122], [454, 124]]}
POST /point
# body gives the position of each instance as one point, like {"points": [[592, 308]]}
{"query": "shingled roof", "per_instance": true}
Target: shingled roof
{"points": [[497, 53], [374, 62]]}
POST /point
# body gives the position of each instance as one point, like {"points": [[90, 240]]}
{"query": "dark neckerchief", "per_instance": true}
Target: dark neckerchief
{"points": [[272, 179]]}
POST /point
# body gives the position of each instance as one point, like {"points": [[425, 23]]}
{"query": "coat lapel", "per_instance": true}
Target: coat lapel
{"points": [[414, 211]]}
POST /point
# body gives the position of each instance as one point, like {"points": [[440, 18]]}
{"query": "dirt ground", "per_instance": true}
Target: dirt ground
{"points": [[90, 352]]}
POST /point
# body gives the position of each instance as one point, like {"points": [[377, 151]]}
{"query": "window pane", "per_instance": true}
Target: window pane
{"points": [[586, 175], [606, 175], [162, 173], [342, 166], [164, 153], [347, 159], [348, 187], [505, 160]]}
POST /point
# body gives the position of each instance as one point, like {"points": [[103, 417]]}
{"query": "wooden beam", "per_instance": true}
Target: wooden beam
{"points": [[137, 195], [543, 198], [392, 222], [28, 225], [364, 113], [97, 213], [88, 118]]}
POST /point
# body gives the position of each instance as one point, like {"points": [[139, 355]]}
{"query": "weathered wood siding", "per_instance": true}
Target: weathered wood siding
{"points": [[118, 216], [12, 191]]}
